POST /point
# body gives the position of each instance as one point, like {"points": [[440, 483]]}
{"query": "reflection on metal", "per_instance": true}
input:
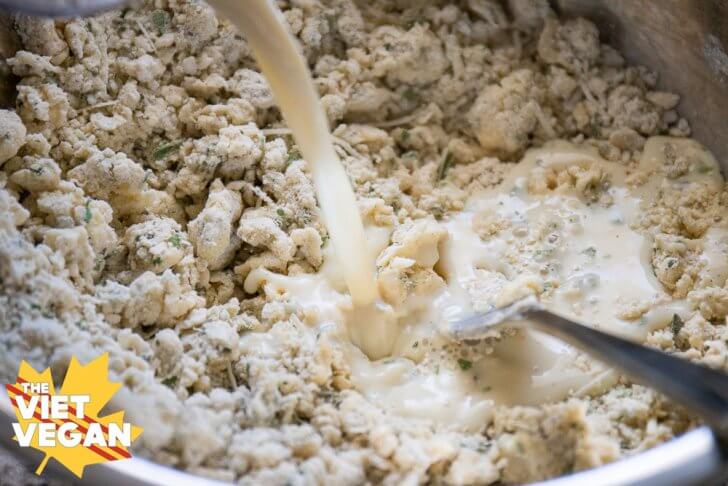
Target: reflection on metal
{"points": [[60, 8], [685, 41]]}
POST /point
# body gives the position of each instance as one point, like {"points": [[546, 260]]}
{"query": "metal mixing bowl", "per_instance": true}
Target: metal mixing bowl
{"points": [[686, 41]]}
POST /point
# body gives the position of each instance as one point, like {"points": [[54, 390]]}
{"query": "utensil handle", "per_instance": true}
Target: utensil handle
{"points": [[698, 388]]}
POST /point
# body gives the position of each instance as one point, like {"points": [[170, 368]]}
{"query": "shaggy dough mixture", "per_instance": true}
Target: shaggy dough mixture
{"points": [[147, 180]]}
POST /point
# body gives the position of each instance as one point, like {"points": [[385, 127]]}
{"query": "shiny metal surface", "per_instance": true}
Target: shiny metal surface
{"points": [[686, 41], [60, 8], [692, 459]]}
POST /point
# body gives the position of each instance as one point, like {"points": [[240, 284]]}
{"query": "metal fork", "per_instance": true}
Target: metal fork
{"points": [[699, 389], [60, 8]]}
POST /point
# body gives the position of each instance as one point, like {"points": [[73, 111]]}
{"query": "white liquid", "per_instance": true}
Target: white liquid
{"points": [[281, 62], [598, 264]]}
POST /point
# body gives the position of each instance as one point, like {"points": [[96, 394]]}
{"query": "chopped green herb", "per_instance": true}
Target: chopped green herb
{"points": [[416, 344], [324, 240], [36, 170], [591, 252], [676, 325], [161, 20], [176, 240], [280, 212], [465, 364], [293, 154], [170, 382], [411, 95], [482, 447], [411, 23], [163, 151], [704, 169], [405, 135], [157, 260], [442, 171], [388, 46], [594, 128], [671, 262], [87, 214]]}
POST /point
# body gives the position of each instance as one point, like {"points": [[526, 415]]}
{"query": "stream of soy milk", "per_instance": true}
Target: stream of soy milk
{"points": [[284, 67]]}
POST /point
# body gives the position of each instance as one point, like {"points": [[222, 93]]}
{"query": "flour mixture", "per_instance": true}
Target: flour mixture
{"points": [[154, 205]]}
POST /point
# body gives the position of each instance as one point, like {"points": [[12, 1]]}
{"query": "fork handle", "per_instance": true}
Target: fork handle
{"points": [[698, 388]]}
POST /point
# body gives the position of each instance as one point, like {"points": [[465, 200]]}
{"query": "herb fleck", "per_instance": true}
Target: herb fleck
{"points": [[442, 171], [157, 260], [87, 213], [176, 240], [170, 382], [482, 446], [161, 20], [294, 154], [675, 326], [465, 364], [165, 150], [591, 252], [411, 95]]}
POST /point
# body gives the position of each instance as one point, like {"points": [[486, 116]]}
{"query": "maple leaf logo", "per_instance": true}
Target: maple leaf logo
{"points": [[67, 425]]}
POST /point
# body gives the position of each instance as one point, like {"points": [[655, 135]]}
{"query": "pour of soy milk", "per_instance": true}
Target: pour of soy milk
{"points": [[284, 67]]}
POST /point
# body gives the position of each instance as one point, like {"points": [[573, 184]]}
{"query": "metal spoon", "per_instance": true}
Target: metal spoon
{"points": [[699, 389], [60, 8]]}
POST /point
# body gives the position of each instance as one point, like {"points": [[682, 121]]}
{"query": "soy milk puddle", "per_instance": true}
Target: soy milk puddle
{"points": [[573, 244]]}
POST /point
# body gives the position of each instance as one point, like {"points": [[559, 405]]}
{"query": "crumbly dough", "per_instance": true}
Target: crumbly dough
{"points": [[145, 173]]}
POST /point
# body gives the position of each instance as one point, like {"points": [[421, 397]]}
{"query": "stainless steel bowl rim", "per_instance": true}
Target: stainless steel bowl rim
{"points": [[54, 8], [687, 43], [692, 457]]}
